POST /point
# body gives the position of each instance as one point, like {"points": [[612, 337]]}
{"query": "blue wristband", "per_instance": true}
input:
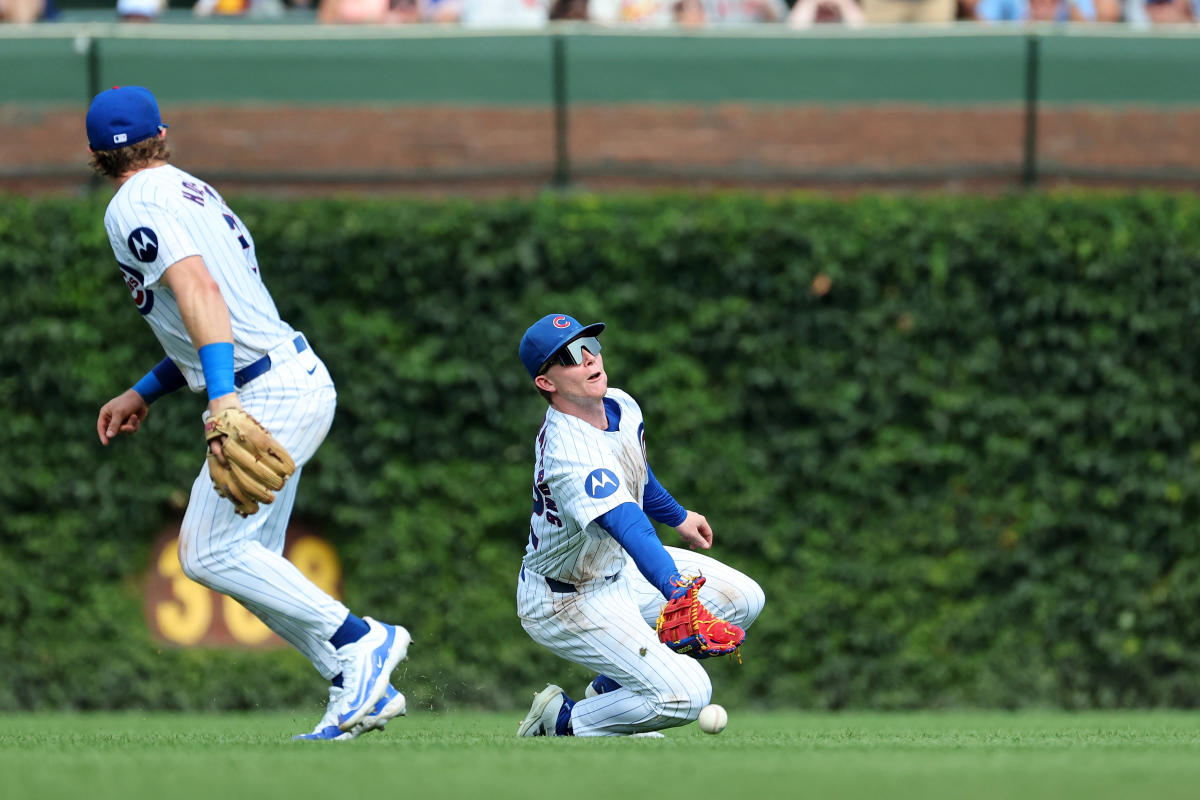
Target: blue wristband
{"points": [[162, 380], [216, 360]]}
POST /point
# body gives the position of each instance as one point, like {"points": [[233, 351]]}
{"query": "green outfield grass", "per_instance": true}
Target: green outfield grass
{"points": [[426, 755]]}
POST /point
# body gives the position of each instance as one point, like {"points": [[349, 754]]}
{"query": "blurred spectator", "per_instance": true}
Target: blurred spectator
{"points": [[206, 8], [644, 13], [1035, 11], [806, 13], [139, 10], [743, 12], [358, 12], [1131, 12], [439, 10], [507, 13], [664, 13], [689, 13], [882, 12], [25, 11], [1172, 12], [1109, 10], [569, 9], [249, 8]]}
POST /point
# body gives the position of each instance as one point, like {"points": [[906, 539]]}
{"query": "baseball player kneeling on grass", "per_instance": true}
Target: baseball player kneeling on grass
{"points": [[191, 266], [596, 585]]}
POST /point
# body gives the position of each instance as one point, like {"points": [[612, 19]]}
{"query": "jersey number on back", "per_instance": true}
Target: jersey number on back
{"points": [[233, 226]]}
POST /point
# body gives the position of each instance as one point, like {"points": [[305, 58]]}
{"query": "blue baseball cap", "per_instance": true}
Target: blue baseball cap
{"points": [[121, 116], [546, 337]]}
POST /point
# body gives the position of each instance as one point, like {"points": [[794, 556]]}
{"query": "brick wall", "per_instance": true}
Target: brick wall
{"points": [[488, 150]]}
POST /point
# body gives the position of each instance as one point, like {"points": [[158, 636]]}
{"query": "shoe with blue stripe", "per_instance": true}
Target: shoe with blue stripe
{"points": [[366, 670], [391, 705], [327, 729]]}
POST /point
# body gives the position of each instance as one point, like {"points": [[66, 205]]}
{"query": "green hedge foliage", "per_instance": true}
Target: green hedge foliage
{"points": [[955, 439]]}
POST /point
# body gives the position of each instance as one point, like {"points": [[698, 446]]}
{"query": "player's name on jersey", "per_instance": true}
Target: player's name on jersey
{"points": [[181, 612]]}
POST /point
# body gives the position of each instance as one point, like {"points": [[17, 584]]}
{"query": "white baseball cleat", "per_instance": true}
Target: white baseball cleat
{"points": [[366, 669], [391, 705], [542, 718], [647, 735], [327, 729]]}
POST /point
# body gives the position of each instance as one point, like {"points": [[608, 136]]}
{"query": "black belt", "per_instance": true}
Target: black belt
{"points": [[567, 588], [252, 371]]}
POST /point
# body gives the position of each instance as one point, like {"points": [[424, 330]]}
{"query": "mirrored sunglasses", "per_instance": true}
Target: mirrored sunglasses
{"points": [[571, 353]]}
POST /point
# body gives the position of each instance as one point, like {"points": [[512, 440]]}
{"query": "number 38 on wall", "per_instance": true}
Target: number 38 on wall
{"points": [[182, 612]]}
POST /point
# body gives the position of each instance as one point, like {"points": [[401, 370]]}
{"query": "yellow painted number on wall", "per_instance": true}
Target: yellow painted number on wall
{"points": [[187, 617], [243, 626], [317, 559]]}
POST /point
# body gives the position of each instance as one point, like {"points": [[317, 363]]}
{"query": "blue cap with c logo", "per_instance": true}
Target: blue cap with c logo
{"points": [[545, 337]]}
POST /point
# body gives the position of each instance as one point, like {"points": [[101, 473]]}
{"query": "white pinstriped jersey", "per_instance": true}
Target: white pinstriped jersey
{"points": [[581, 472], [162, 215]]}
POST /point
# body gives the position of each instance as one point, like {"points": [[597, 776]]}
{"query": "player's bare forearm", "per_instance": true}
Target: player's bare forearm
{"points": [[125, 413], [206, 317], [695, 531], [204, 312]]}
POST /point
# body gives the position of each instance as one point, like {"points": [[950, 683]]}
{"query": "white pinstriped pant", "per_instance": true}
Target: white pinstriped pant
{"points": [[727, 593], [243, 558], [608, 627]]}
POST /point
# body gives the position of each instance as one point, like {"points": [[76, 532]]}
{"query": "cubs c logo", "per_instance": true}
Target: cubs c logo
{"points": [[561, 322], [143, 244], [143, 298], [600, 483]]}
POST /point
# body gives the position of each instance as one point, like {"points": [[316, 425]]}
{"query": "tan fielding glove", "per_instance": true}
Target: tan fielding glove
{"points": [[257, 465]]}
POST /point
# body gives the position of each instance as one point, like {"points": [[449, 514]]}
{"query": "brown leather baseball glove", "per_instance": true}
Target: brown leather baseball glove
{"points": [[256, 464]]}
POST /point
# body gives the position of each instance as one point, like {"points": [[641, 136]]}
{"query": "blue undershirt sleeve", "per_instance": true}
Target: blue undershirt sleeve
{"points": [[629, 525], [163, 379], [660, 506]]}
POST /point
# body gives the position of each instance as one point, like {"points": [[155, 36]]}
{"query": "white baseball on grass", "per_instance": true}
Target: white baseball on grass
{"points": [[712, 718]]}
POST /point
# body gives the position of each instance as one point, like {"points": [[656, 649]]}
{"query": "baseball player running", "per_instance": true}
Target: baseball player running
{"points": [[595, 575], [191, 266]]}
